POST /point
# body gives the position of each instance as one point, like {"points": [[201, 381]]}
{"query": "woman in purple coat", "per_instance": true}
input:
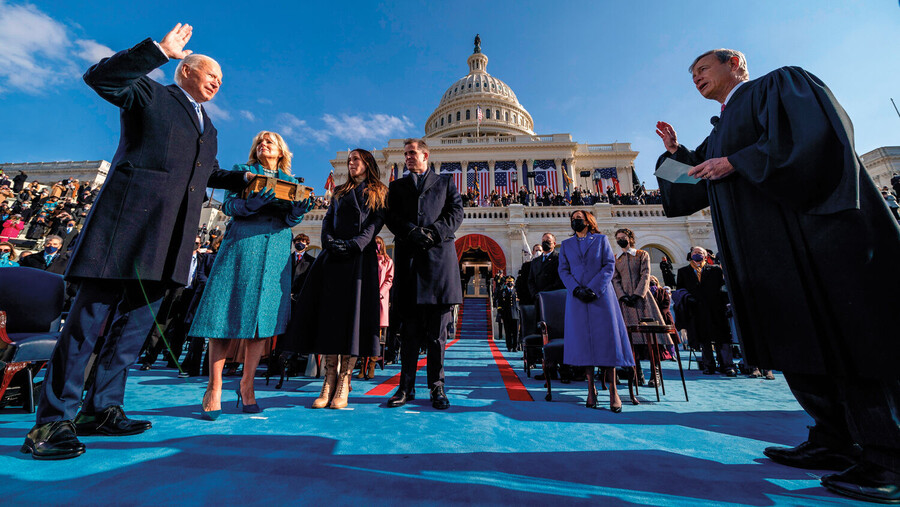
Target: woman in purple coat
{"points": [[595, 331]]}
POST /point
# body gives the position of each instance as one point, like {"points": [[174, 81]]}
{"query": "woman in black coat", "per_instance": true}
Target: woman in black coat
{"points": [[338, 311]]}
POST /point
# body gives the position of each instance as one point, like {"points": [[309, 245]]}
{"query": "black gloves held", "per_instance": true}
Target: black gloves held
{"points": [[422, 238], [342, 248], [585, 294]]}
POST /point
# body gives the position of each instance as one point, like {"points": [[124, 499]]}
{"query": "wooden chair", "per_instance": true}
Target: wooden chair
{"points": [[650, 330]]}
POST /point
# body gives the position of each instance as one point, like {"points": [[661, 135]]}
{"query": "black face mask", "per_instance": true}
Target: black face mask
{"points": [[546, 246], [622, 243], [578, 224], [299, 246]]}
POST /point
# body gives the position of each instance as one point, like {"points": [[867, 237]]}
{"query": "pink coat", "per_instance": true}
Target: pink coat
{"points": [[385, 281], [11, 231]]}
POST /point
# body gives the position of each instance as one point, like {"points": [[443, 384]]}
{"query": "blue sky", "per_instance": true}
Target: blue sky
{"points": [[333, 75]]}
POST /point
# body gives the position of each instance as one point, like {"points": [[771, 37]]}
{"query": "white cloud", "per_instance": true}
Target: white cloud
{"points": [[264, 101], [357, 128], [33, 49], [350, 128], [247, 115], [37, 52], [157, 75], [92, 51], [215, 112]]}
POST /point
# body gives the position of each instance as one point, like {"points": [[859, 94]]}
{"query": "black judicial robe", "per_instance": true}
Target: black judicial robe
{"points": [[808, 244]]}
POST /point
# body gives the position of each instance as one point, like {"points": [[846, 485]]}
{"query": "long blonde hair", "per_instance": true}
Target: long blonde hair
{"points": [[284, 161]]}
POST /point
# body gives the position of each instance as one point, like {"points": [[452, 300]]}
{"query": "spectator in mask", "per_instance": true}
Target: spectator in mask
{"points": [[51, 259], [7, 255]]}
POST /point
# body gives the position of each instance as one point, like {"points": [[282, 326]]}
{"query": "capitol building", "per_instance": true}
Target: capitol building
{"points": [[502, 152]]}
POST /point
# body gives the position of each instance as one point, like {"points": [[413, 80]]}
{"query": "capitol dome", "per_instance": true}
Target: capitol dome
{"points": [[456, 114]]}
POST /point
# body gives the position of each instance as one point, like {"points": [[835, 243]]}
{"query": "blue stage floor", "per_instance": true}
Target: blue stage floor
{"points": [[485, 450]]}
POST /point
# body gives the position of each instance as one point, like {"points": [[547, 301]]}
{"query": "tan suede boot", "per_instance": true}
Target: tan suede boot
{"points": [[370, 371], [343, 382], [330, 383], [362, 368]]}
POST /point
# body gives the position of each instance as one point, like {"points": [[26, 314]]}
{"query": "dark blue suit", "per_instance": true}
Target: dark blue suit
{"points": [[138, 237]]}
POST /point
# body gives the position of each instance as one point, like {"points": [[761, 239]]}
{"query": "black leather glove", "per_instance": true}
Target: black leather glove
{"points": [[256, 200], [625, 300], [589, 294], [420, 238], [582, 293], [634, 299], [337, 247]]}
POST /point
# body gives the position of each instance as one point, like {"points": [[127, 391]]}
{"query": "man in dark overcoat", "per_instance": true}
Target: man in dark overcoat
{"points": [[508, 309], [137, 240], [806, 242], [424, 212], [544, 272]]}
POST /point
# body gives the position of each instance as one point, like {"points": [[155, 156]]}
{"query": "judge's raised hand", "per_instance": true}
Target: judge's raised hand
{"points": [[667, 134], [712, 169], [174, 41]]}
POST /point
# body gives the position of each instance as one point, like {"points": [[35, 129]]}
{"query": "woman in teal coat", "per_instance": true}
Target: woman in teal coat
{"points": [[247, 296]]}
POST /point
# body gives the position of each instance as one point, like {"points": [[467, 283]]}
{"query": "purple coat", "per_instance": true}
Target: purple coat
{"points": [[595, 332]]}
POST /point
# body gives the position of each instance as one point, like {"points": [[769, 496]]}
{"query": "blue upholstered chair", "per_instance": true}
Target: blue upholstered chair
{"points": [[551, 317], [33, 302]]}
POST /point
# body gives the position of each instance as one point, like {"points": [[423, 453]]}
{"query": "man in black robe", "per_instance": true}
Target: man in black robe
{"points": [[806, 242]]}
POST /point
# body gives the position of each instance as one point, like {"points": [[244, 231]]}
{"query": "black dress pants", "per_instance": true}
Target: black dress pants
{"points": [[123, 307], [865, 412], [170, 318], [427, 325]]}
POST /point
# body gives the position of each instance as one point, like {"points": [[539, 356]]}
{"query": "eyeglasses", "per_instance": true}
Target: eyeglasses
{"points": [[5, 250]]}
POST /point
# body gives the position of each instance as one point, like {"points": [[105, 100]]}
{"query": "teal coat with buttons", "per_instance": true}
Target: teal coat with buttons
{"points": [[249, 288]]}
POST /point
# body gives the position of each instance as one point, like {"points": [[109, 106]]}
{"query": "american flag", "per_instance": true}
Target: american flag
{"points": [[608, 178], [478, 177], [479, 115], [329, 183], [393, 173], [455, 170], [505, 180], [545, 177]]}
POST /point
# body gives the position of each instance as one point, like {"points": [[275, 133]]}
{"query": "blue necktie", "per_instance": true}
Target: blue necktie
{"points": [[199, 115], [48, 259]]}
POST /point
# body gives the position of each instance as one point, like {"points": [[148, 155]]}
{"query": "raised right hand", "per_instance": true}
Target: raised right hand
{"points": [[257, 200], [174, 41], [667, 134]]}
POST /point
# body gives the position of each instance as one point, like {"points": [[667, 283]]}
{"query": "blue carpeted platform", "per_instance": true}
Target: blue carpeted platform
{"points": [[484, 450]]}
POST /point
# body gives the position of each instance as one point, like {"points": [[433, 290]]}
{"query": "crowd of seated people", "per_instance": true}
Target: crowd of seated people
{"points": [[578, 197]]}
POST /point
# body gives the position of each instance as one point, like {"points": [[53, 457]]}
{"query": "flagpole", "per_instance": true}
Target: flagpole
{"points": [[895, 107]]}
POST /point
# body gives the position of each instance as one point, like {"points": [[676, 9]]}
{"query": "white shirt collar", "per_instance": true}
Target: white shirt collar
{"points": [[732, 92], [191, 99], [631, 251]]}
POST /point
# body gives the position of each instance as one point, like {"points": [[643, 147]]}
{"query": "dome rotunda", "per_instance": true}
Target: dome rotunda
{"points": [[457, 112]]}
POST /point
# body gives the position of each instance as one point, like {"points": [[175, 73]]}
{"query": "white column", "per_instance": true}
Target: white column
{"points": [[560, 181], [490, 176]]}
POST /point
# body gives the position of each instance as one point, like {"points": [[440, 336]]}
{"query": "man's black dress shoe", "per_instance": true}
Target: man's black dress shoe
{"points": [[55, 440], [810, 456], [730, 372], [401, 397], [145, 367], [865, 481], [111, 421], [439, 399]]}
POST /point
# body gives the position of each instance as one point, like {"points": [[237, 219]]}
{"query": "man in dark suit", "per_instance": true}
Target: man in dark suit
{"points": [[52, 258], [708, 322], [424, 212], [137, 240], [544, 272], [301, 260]]}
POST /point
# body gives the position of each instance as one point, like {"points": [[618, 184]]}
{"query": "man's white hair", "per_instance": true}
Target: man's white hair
{"points": [[193, 61]]}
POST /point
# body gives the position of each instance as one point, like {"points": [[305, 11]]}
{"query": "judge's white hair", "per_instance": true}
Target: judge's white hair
{"points": [[723, 55], [193, 61]]}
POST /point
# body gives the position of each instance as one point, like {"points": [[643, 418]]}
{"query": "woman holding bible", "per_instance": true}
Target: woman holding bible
{"points": [[247, 295], [338, 311]]}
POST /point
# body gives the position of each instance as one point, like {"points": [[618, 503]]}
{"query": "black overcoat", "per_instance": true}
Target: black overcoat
{"points": [[425, 276], [544, 274], [338, 310], [707, 321], [144, 221], [806, 239]]}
